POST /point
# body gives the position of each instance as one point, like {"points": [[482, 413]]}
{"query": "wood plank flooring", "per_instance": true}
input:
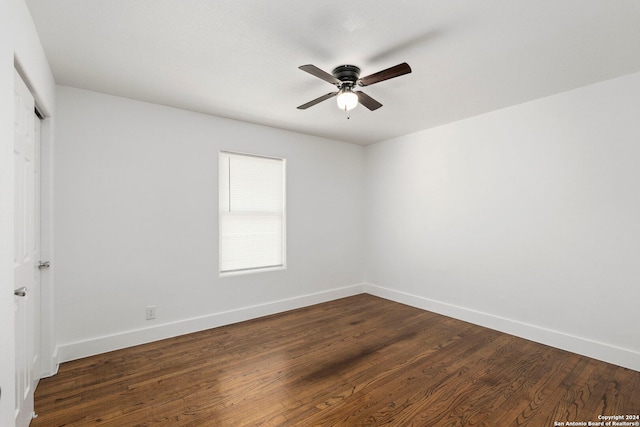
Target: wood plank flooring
{"points": [[356, 361]]}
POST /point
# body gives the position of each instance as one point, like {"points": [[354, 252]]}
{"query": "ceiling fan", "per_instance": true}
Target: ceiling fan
{"points": [[346, 78]]}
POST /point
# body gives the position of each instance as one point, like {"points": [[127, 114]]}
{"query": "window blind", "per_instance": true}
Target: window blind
{"points": [[251, 212]]}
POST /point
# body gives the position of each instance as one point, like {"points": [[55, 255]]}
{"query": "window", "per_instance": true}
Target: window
{"points": [[252, 213]]}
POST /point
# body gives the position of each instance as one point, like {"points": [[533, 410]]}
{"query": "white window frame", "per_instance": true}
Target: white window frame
{"points": [[255, 269]]}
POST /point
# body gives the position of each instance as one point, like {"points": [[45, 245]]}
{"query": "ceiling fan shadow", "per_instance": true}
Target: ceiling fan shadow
{"points": [[312, 48], [413, 42]]}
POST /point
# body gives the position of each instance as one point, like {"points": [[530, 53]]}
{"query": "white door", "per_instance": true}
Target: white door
{"points": [[26, 251]]}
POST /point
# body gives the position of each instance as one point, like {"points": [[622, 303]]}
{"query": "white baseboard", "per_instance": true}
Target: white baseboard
{"points": [[103, 344], [50, 365], [584, 346]]}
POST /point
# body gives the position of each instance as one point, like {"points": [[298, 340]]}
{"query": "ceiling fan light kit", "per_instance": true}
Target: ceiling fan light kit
{"points": [[345, 78], [347, 100]]}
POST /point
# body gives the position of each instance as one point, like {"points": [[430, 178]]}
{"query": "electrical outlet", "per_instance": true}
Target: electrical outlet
{"points": [[151, 312]]}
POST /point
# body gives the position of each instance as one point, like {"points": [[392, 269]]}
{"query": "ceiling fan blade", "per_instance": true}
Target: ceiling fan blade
{"points": [[315, 71], [367, 101], [389, 73], [317, 101]]}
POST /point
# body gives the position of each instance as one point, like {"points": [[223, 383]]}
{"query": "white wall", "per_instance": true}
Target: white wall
{"points": [[525, 219], [136, 222]]}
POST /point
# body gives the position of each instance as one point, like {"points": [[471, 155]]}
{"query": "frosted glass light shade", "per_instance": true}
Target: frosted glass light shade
{"points": [[347, 100]]}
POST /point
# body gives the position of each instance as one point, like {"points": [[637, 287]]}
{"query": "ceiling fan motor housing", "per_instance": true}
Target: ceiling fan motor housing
{"points": [[347, 74]]}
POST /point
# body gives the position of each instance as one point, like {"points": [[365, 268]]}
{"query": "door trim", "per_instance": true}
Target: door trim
{"points": [[48, 349]]}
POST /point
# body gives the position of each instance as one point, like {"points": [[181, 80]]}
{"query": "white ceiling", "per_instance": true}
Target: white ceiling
{"points": [[239, 58]]}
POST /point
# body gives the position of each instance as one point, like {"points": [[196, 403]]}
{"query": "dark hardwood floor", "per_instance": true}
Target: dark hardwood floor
{"points": [[356, 361]]}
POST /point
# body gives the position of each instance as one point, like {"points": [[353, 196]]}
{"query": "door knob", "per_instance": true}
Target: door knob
{"points": [[20, 292], [44, 264]]}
